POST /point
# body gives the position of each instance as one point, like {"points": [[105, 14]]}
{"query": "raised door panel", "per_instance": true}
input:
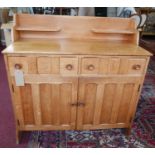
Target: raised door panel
{"points": [[46, 105], [106, 102]]}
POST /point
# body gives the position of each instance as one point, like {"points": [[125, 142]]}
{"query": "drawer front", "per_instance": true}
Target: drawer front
{"points": [[89, 65], [109, 65], [112, 65], [136, 66], [26, 64], [62, 65], [69, 65], [44, 65]]}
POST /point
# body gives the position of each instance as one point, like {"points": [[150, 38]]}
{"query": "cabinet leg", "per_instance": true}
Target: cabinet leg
{"points": [[128, 131], [18, 136]]}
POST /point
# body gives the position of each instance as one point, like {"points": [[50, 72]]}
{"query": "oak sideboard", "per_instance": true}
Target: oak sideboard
{"points": [[74, 73]]}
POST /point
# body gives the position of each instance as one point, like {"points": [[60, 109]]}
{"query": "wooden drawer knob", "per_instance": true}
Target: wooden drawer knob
{"points": [[136, 67], [73, 104], [81, 104], [18, 66], [91, 67], [69, 67]]}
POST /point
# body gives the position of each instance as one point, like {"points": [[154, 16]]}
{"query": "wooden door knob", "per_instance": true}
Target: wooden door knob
{"points": [[136, 67], [91, 67], [69, 67], [73, 104], [81, 104], [18, 66]]}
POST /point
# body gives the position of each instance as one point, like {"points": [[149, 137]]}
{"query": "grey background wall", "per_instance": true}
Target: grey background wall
{"points": [[2, 41], [111, 11]]}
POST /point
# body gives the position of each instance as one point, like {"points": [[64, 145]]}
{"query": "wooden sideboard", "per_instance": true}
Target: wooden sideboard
{"points": [[78, 73]]}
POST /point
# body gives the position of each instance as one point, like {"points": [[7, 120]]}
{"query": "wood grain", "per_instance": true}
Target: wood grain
{"points": [[77, 76], [75, 47], [36, 104], [27, 103], [69, 27]]}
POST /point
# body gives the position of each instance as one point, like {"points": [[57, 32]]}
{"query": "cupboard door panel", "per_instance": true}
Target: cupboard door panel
{"points": [[45, 100], [24, 105], [106, 103], [48, 103], [125, 102], [65, 103], [27, 103], [90, 98]]}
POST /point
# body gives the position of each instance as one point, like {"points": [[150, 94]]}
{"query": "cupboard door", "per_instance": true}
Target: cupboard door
{"points": [[106, 102], [46, 103]]}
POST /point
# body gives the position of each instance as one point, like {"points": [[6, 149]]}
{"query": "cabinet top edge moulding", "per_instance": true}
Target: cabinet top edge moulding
{"points": [[74, 35]]}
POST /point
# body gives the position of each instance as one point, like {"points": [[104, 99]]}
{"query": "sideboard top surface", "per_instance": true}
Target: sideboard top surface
{"points": [[45, 34], [76, 47]]}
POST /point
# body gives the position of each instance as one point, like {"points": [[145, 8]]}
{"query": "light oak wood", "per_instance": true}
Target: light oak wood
{"points": [[67, 65], [114, 65], [47, 103], [49, 27], [55, 29], [75, 47], [113, 31], [89, 65], [76, 76], [105, 101], [36, 104]]}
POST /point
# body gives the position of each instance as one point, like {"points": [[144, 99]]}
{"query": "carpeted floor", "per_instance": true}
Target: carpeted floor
{"points": [[7, 126], [143, 131], [148, 42]]}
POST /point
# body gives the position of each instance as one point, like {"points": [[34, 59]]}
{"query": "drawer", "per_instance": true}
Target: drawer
{"points": [[26, 64], [136, 65], [34, 65], [69, 65], [89, 65], [44, 65], [112, 65]]}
